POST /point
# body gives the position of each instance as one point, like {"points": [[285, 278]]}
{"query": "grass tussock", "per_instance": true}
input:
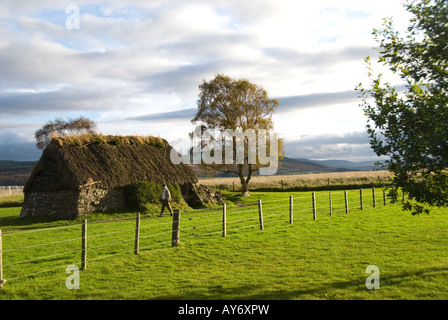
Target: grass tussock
{"points": [[100, 139]]}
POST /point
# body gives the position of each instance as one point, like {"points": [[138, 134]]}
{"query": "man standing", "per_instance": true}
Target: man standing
{"points": [[166, 199]]}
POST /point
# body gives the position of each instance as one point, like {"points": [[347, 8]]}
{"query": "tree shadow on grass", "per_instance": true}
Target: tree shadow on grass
{"points": [[356, 285], [257, 292]]}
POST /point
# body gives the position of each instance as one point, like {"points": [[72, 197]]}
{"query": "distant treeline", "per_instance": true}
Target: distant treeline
{"points": [[15, 173]]}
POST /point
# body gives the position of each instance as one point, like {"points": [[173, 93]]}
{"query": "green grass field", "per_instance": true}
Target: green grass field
{"points": [[322, 259]]}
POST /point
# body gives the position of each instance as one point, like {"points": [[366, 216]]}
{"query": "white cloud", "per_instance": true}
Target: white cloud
{"points": [[131, 59]]}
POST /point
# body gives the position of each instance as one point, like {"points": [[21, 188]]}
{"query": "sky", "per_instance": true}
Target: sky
{"points": [[135, 67]]}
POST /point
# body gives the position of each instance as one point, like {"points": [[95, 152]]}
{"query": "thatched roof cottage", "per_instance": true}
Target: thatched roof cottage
{"points": [[81, 174]]}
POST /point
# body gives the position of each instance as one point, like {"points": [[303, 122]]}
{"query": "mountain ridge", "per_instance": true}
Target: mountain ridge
{"points": [[18, 172]]}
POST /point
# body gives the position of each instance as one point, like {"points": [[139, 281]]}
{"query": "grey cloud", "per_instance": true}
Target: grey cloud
{"points": [[206, 46], [34, 64], [316, 100], [67, 99], [181, 80], [347, 146], [287, 104], [19, 152], [29, 63], [318, 59], [185, 114], [34, 103], [326, 139], [14, 142]]}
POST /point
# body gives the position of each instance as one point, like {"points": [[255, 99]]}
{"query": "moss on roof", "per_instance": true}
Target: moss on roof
{"points": [[69, 163], [86, 139]]}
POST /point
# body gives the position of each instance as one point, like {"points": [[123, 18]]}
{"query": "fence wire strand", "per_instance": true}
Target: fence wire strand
{"points": [[338, 203]]}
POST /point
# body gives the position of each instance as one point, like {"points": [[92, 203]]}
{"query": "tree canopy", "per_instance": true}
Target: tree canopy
{"points": [[237, 106], [411, 127], [60, 127]]}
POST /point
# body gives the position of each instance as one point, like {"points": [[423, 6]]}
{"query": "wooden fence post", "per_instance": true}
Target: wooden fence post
{"points": [[260, 213], [331, 204], [176, 228], [360, 199], [84, 246], [373, 197], [2, 281], [291, 217], [224, 220], [346, 202], [137, 234], [384, 196], [313, 196]]}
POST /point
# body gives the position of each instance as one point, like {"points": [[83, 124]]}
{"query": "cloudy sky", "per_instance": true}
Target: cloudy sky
{"points": [[135, 66]]}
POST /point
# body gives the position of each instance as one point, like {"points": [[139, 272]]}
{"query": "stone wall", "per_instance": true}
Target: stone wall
{"points": [[69, 204], [59, 204], [198, 195], [93, 199]]}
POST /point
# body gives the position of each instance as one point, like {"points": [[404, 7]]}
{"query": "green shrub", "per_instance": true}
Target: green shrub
{"points": [[116, 141], [139, 194], [176, 194], [142, 192], [158, 142]]}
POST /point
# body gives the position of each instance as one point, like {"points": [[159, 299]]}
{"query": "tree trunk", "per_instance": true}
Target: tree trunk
{"points": [[245, 181], [244, 190]]}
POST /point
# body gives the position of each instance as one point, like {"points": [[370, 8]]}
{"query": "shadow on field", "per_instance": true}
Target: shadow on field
{"points": [[253, 292], [11, 221], [322, 291]]}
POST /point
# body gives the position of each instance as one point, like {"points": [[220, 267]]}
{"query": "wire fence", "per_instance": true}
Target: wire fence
{"points": [[8, 191], [25, 254]]}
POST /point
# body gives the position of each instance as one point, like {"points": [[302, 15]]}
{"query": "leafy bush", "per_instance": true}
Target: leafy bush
{"points": [[176, 194], [142, 192], [158, 142], [116, 141], [145, 194]]}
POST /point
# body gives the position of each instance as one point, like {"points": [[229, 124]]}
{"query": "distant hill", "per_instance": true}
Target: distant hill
{"points": [[294, 166], [288, 166], [342, 165], [17, 172]]}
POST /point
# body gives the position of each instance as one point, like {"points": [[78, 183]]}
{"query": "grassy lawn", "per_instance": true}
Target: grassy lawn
{"points": [[322, 259]]}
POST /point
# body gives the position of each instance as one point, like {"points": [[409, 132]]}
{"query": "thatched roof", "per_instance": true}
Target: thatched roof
{"points": [[107, 161]]}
